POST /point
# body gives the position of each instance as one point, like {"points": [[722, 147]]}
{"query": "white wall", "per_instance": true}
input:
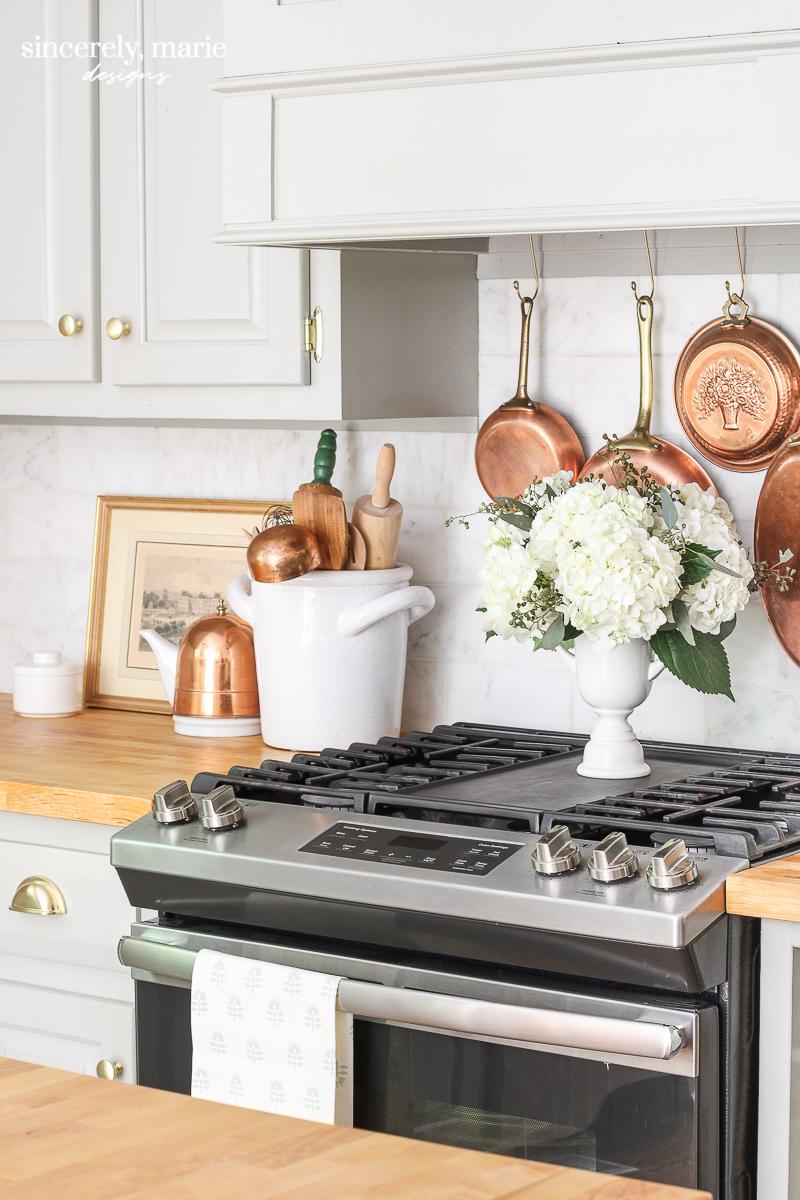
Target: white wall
{"points": [[585, 346]]}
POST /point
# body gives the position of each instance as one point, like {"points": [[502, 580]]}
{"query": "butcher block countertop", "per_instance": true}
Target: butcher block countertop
{"points": [[69, 1135], [103, 766], [771, 891]]}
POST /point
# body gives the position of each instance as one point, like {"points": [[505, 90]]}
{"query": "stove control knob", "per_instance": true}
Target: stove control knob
{"points": [[174, 803], [555, 853], [613, 860], [221, 809], [672, 866]]}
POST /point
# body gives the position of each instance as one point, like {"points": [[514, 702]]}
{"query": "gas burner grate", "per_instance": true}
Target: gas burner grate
{"points": [[745, 812]]}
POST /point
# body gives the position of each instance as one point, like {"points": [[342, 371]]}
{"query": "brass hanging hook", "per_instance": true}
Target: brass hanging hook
{"points": [[736, 308], [527, 301], [650, 265]]}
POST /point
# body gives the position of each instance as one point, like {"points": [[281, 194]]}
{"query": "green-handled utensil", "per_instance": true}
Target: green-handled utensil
{"points": [[319, 506]]}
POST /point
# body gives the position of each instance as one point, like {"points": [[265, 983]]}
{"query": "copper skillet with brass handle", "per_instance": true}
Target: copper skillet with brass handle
{"points": [[666, 462], [778, 528], [524, 439], [737, 389]]}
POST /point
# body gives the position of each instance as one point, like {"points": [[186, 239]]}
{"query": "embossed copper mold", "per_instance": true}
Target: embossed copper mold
{"points": [[737, 390], [777, 528]]}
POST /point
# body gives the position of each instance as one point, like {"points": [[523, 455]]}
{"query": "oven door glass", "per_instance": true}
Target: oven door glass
{"points": [[573, 1112]]}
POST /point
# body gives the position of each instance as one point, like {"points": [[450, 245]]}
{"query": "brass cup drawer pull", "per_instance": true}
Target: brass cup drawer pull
{"points": [[39, 897], [116, 328], [110, 1068], [68, 325]]}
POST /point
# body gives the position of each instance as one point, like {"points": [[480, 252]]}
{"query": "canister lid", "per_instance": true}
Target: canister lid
{"points": [[46, 664]]}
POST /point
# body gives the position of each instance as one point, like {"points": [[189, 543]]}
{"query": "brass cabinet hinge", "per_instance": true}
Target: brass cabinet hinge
{"points": [[312, 334]]}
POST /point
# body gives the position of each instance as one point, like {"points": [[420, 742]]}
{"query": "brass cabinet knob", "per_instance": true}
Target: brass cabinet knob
{"points": [[116, 328], [110, 1068], [40, 897], [69, 325]]}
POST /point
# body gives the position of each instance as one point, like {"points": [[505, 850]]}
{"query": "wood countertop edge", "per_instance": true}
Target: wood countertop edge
{"points": [[770, 891], [65, 1134]]}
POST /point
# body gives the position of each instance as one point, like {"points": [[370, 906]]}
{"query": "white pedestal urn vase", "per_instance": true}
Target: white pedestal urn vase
{"points": [[613, 680]]}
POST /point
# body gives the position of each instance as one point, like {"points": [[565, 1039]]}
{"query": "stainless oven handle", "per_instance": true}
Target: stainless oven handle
{"points": [[453, 1014]]}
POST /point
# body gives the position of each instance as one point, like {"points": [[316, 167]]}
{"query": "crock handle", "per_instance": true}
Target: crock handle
{"points": [[418, 601], [240, 597]]}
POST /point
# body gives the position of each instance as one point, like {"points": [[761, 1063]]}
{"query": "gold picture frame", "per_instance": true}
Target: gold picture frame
{"points": [[156, 560]]}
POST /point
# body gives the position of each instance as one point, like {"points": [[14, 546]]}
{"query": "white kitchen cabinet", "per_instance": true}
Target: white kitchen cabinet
{"points": [[209, 333], [65, 999], [48, 208], [779, 1062], [404, 120]]}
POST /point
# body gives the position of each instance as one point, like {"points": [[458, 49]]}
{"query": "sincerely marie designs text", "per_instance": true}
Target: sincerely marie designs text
{"points": [[130, 55]]}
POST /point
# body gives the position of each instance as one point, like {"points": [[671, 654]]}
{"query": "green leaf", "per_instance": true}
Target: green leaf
{"points": [[726, 629], [554, 635], [514, 502], [490, 633], [669, 510], [680, 614], [480, 610], [570, 632], [523, 523], [703, 666], [698, 563]]}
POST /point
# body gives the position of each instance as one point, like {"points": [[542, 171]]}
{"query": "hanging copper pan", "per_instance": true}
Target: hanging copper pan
{"points": [[737, 389], [665, 462], [777, 529], [524, 439]]}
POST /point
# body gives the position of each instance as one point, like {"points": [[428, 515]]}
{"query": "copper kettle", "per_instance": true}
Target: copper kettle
{"points": [[213, 672]]}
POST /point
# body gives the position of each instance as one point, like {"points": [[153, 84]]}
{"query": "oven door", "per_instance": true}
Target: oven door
{"points": [[628, 1087]]}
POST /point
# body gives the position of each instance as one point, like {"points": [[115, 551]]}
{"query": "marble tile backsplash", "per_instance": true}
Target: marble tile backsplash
{"points": [[584, 362]]}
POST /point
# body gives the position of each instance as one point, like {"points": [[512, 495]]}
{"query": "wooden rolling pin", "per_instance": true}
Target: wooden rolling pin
{"points": [[319, 506], [378, 517]]}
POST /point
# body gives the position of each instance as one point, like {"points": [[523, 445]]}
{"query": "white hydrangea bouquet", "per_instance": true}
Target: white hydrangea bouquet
{"points": [[617, 564]]}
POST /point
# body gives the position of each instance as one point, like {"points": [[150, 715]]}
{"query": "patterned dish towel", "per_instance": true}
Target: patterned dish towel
{"points": [[270, 1037]]}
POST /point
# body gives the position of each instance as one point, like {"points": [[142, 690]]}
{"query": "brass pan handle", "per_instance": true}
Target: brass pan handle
{"points": [[39, 897]]}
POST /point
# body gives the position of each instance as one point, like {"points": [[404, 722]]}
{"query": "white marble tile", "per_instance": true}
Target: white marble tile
{"points": [[27, 457], [291, 459], [423, 544], [594, 315], [109, 460], [51, 526], [761, 719], [524, 696], [6, 679], [497, 310], [31, 595], [74, 596], [3, 525], [215, 464], [451, 630], [605, 398], [423, 702]]}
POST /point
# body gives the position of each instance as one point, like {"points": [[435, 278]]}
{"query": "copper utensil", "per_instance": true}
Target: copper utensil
{"points": [[524, 439], [666, 462], [737, 388], [778, 528], [282, 552]]}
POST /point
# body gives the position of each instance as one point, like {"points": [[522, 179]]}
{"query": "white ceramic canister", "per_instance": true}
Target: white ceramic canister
{"points": [[46, 685], [330, 653]]}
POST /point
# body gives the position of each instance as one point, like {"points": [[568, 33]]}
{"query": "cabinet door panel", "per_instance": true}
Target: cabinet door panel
{"points": [[48, 198], [199, 313], [66, 1031]]}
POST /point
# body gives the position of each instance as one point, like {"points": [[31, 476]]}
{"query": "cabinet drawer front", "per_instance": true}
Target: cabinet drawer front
{"points": [[60, 1029], [97, 910]]}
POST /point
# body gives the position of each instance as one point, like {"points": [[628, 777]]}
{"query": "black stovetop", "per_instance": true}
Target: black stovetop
{"points": [[741, 803]]}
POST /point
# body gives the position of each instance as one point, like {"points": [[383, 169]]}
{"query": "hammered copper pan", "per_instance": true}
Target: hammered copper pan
{"points": [[665, 462], [737, 389], [777, 529], [524, 439]]}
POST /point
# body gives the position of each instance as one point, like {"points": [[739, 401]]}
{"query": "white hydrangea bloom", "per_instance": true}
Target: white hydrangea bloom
{"points": [[507, 574], [707, 520], [615, 577]]}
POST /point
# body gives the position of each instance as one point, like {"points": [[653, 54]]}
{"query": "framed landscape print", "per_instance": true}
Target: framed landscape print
{"points": [[158, 564]]}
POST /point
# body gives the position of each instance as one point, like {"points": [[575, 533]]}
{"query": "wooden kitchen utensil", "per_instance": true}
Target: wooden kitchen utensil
{"points": [[666, 462], [778, 528], [378, 517], [737, 386], [319, 506], [524, 439], [356, 551]]}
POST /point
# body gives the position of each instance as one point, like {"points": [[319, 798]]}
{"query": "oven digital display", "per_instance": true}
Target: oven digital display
{"points": [[462, 856]]}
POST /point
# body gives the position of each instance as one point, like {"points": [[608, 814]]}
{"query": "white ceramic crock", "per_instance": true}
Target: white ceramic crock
{"points": [[613, 680], [46, 685], [330, 653]]}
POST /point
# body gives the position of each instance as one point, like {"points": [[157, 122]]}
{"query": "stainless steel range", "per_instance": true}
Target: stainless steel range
{"points": [[538, 963]]}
